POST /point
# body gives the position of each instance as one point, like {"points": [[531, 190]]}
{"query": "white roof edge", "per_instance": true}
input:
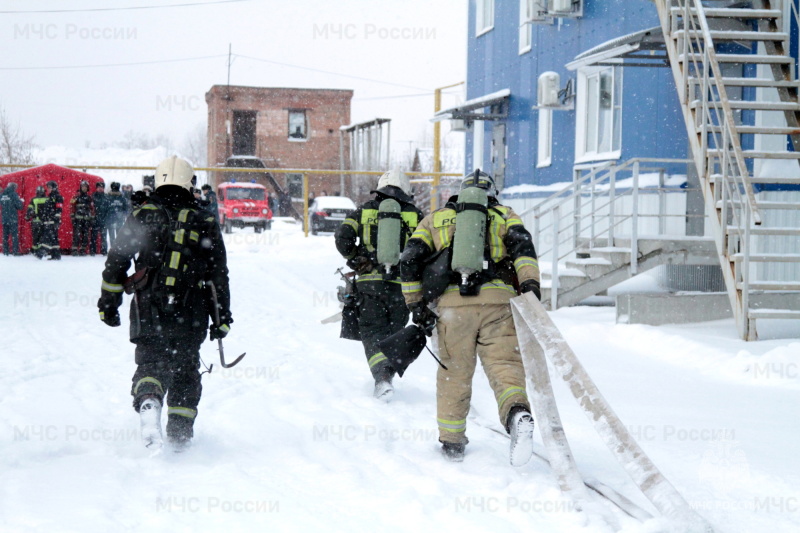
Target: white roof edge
{"points": [[601, 56], [476, 102], [613, 47]]}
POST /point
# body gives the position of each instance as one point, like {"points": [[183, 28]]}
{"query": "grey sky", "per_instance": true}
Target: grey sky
{"points": [[379, 48]]}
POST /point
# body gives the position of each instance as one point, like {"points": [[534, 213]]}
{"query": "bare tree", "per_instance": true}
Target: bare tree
{"points": [[195, 145], [133, 140], [15, 146]]}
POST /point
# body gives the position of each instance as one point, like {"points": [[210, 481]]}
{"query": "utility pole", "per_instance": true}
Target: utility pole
{"points": [[437, 134]]}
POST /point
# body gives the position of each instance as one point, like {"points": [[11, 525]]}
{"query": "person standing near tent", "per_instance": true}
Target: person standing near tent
{"points": [[51, 221], [34, 215], [98, 229], [211, 198], [474, 313], [178, 249], [116, 211], [11, 204], [82, 215], [361, 240]]}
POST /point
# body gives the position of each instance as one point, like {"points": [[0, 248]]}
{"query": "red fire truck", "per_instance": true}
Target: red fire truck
{"points": [[243, 204]]}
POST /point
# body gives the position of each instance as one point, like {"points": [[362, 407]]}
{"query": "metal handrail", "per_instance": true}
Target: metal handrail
{"points": [[600, 181]]}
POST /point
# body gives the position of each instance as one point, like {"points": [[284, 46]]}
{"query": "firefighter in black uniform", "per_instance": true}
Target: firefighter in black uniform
{"points": [[51, 221], [98, 229], [381, 308], [116, 211], [178, 249], [34, 216], [82, 216]]}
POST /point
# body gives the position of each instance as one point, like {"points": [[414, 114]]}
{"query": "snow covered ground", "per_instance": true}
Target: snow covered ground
{"points": [[291, 439]]}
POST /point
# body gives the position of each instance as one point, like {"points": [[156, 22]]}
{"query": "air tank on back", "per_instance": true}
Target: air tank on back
{"points": [[389, 228], [470, 236]]}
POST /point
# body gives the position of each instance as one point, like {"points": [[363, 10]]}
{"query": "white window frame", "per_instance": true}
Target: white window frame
{"points": [[525, 27], [583, 106], [544, 153], [484, 9], [305, 126]]}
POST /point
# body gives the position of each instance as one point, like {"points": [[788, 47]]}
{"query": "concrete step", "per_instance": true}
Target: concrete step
{"points": [[593, 268], [616, 256]]}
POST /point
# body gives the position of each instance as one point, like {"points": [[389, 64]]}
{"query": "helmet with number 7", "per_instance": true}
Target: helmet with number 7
{"points": [[481, 180], [175, 171]]}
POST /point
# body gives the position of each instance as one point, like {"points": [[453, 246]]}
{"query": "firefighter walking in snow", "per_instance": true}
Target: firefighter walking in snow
{"points": [[491, 258], [371, 239], [178, 248]]}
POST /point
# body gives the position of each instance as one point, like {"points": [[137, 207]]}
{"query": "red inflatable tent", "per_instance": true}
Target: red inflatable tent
{"points": [[68, 180]]}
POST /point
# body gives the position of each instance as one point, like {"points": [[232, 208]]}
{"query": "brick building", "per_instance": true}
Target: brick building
{"points": [[283, 127]]}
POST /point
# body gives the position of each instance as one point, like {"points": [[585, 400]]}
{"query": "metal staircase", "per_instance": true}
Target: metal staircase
{"points": [[729, 60], [739, 97]]}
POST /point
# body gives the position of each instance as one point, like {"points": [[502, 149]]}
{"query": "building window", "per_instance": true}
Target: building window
{"points": [[544, 155], [298, 130], [244, 132], [525, 27], [599, 112], [294, 187], [484, 16]]}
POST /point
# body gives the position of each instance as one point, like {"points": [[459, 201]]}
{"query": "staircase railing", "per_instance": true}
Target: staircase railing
{"points": [[601, 203]]}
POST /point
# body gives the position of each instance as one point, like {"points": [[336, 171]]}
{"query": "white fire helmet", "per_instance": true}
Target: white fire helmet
{"points": [[174, 171], [397, 179]]}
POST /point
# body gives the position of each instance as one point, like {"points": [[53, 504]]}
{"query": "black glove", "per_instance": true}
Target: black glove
{"points": [[361, 264], [422, 316], [110, 317], [219, 332], [107, 305], [531, 285]]}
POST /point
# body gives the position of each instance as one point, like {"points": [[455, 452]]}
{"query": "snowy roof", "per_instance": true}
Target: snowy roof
{"points": [[623, 47], [458, 111], [334, 202]]}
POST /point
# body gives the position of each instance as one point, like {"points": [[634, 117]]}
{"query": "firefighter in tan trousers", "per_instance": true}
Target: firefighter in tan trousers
{"points": [[474, 315]]}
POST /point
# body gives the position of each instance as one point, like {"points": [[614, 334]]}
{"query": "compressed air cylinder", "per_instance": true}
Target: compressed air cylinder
{"points": [[389, 227], [468, 243]]}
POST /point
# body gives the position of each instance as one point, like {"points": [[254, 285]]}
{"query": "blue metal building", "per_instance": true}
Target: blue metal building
{"points": [[609, 112]]}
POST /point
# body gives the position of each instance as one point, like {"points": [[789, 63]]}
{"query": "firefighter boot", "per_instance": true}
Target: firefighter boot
{"points": [[384, 391], [180, 430], [150, 417], [520, 428], [454, 451]]}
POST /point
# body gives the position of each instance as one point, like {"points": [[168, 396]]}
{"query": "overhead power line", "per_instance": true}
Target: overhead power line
{"points": [[128, 8], [102, 65], [332, 73], [199, 58]]}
